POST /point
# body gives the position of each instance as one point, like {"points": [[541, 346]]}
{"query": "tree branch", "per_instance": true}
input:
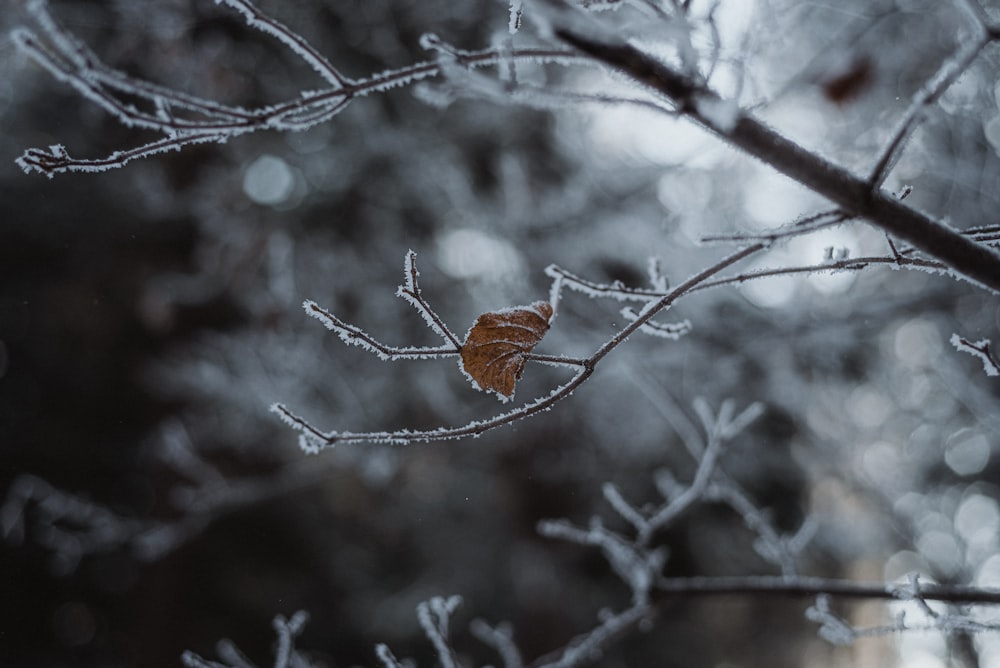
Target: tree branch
{"points": [[809, 587], [737, 127], [312, 439], [185, 119]]}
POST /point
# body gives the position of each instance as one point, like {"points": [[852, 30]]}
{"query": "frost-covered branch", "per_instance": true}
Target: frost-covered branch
{"points": [[720, 429], [312, 439], [980, 349], [806, 225], [905, 258], [952, 68], [900, 258], [285, 653], [583, 649], [633, 559], [501, 639], [711, 483], [803, 586], [410, 291], [652, 300], [72, 527], [839, 631], [739, 128], [298, 45], [185, 119], [639, 566], [435, 616]]}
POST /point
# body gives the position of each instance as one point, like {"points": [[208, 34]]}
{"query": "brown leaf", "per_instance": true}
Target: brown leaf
{"points": [[494, 349], [848, 80]]}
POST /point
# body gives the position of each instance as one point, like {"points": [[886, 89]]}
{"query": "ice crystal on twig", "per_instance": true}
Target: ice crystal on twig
{"points": [[285, 653], [980, 349]]}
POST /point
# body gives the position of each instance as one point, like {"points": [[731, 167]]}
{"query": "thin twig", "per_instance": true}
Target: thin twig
{"points": [[313, 439], [980, 349], [353, 335], [807, 225], [186, 119], [949, 72]]}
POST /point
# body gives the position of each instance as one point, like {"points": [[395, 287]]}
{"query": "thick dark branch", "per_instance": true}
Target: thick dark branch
{"points": [[848, 191], [810, 587]]}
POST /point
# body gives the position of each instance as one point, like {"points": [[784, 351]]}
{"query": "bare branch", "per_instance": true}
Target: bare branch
{"points": [[434, 616], [257, 19], [852, 194], [185, 119], [810, 587], [806, 225], [410, 291], [285, 653], [313, 439], [72, 527], [980, 349], [581, 650], [355, 336], [500, 638], [931, 91]]}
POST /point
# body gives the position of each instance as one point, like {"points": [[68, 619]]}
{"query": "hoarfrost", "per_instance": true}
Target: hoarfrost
{"points": [[980, 349], [256, 19]]}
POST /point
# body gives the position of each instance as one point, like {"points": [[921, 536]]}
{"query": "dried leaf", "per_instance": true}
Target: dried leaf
{"points": [[494, 349], [847, 81]]}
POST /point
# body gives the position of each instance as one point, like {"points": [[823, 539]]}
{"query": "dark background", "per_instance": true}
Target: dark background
{"points": [[159, 304]]}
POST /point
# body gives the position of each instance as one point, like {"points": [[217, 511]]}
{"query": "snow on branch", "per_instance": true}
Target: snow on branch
{"points": [[184, 119], [637, 566], [581, 650]]}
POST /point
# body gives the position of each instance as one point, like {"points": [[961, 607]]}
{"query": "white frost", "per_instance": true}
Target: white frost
{"points": [[980, 349]]}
